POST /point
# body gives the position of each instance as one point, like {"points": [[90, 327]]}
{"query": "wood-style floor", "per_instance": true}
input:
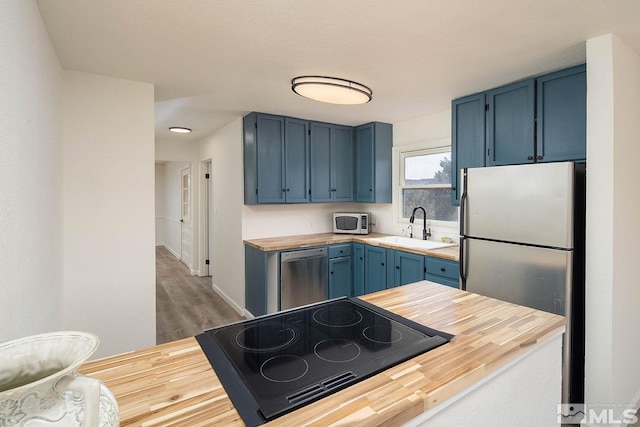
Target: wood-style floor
{"points": [[186, 305]]}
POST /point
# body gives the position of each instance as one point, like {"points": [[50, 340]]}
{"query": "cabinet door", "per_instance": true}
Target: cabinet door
{"points": [[296, 148], [562, 115], [373, 162], [409, 268], [270, 158], [375, 276], [364, 163], [467, 138], [342, 164], [321, 168], [510, 124], [340, 277], [358, 269]]}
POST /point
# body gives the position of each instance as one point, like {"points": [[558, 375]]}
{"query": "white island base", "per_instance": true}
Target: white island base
{"points": [[524, 392]]}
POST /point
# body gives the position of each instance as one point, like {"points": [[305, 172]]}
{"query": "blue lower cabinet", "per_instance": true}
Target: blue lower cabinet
{"points": [[375, 269], [391, 271], [340, 277], [442, 271], [408, 268], [255, 276], [358, 269]]}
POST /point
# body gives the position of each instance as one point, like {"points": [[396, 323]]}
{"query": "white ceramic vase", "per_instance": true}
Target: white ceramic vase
{"points": [[39, 385]]}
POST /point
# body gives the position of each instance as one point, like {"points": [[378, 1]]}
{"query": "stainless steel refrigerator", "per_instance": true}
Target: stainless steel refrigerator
{"points": [[522, 241]]}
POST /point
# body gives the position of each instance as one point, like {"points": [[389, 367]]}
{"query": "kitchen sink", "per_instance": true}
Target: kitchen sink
{"points": [[408, 242]]}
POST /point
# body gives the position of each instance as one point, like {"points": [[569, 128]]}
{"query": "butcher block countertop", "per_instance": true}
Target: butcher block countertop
{"points": [[173, 384], [271, 244]]}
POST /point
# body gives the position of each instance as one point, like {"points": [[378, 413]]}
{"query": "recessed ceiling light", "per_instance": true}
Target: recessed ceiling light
{"points": [[177, 129], [331, 89]]}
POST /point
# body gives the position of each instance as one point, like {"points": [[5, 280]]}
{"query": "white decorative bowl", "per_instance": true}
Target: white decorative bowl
{"points": [[39, 385]]}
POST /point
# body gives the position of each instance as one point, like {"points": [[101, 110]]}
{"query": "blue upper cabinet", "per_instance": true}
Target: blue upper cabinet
{"points": [[321, 153], [264, 159], [288, 160], [541, 119], [343, 161], [331, 163], [510, 124], [276, 152], [373, 148], [467, 138], [296, 165], [562, 115]]}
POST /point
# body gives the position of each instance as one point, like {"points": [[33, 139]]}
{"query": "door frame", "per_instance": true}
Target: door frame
{"points": [[206, 214]]}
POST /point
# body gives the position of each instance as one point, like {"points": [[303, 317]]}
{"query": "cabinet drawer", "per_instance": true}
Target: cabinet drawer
{"points": [[340, 250], [442, 267], [444, 281]]}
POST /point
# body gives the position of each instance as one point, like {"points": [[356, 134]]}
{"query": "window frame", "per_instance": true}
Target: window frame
{"points": [[420, 151]]}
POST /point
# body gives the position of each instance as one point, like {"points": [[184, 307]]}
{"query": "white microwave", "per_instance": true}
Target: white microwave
{"points": [[352, 222]]}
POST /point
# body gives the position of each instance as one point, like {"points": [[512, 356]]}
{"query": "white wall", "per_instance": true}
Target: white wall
{"points": [[430, 127], [30, 174], [285, 220], [108, 179], [224, 147], [613, 231], [176, 150]]}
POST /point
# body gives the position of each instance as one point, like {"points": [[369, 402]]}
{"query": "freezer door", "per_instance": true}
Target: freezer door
{"points": [[530, 204], [535, 277]]}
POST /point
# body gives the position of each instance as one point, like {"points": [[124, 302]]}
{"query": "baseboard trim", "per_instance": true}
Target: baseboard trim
{"points": [[228, 300], [174, 253]]}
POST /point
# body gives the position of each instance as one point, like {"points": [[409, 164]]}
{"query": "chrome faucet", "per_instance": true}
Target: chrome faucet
{"points": [[426, 233]]}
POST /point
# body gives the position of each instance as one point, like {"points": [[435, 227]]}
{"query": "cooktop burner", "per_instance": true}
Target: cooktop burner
{"points": [[276, 363]]}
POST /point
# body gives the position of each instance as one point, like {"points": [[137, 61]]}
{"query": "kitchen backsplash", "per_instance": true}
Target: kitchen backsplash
{"points": [[284, 220]]}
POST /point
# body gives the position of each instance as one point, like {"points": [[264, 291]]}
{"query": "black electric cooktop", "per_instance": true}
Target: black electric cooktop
{"points": [[274, 364]]}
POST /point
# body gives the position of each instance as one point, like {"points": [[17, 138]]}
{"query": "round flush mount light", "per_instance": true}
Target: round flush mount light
{"points": [[178, 129], [331, 89]]}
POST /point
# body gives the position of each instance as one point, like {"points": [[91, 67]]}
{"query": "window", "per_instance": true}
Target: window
{"points": [[425, 180]]}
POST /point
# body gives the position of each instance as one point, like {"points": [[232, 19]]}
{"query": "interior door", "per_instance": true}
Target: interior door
{"points": [[185, 213]]}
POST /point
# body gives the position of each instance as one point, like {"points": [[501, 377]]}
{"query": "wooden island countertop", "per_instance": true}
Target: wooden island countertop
{"points": [[174, 384]]}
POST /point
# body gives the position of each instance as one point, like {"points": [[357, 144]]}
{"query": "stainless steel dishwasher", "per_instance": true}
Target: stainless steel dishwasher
{"points": [[303, 277]]}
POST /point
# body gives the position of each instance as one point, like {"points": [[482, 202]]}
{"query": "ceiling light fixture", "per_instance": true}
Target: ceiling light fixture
{"points": [[178, 129], [331, 89]]}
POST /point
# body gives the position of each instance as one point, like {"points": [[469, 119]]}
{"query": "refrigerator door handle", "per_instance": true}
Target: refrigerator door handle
{"points": [[463, 205], [463, 278], [463, 200]]}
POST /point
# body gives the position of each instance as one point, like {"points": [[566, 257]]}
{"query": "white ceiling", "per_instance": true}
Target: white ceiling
{"points": [[214, 60]]}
